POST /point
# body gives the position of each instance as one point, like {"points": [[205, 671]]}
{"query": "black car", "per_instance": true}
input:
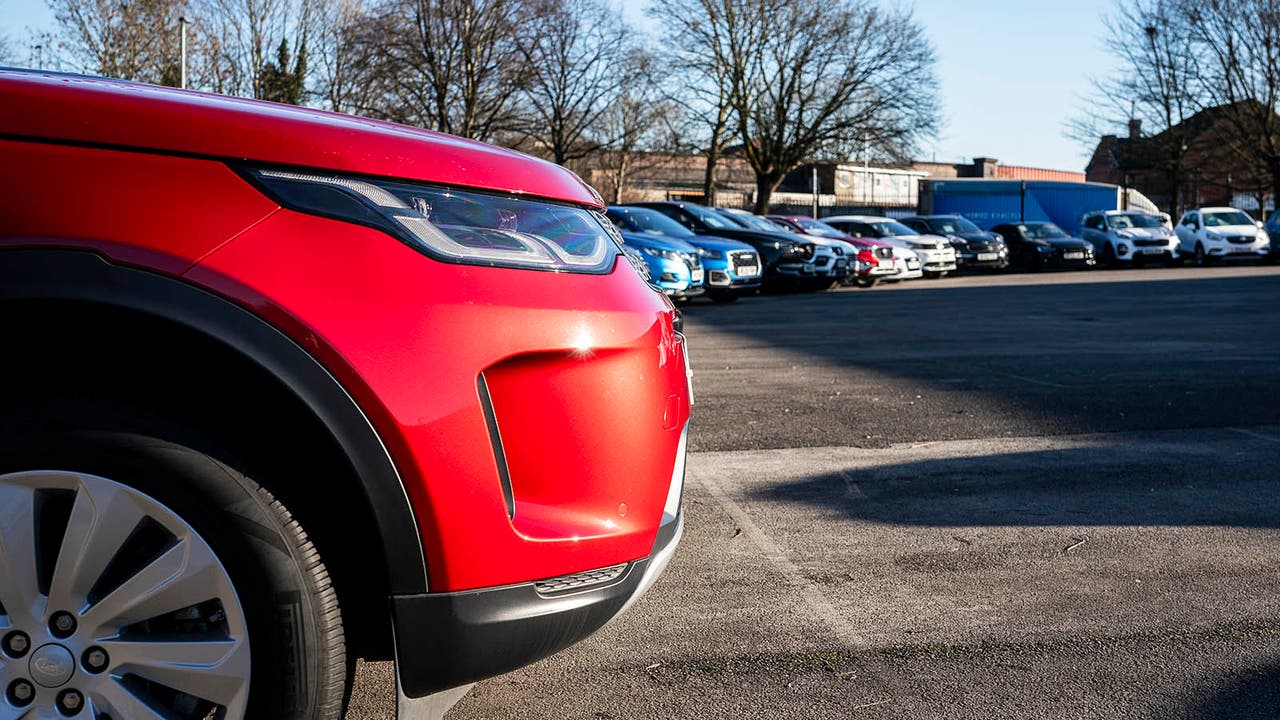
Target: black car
{"points": [[975, 247], [1037, 245], [785, 260]]}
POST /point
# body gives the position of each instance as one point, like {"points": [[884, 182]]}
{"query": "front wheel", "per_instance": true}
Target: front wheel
{"points": [[866, 282], [145, 580], [935, 274], [1202, 258]]}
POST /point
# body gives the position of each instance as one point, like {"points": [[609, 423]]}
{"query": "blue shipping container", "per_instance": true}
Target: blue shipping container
{"points": [[991, 202]]}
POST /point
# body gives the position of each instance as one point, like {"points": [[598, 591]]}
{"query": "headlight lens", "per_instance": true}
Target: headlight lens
{"points": [[1125, 235], [462, 226], [656, 252], [713, 254]]}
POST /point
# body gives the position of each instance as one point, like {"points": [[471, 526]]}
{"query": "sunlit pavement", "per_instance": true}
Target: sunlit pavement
{"points": [[971, 498]]}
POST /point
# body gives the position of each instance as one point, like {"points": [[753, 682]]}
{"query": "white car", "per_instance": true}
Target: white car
{"points": [[908, 265], [1129, 237], [1218, 233], [937, 256]]}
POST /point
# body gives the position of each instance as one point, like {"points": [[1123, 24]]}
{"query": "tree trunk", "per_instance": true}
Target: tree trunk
{"points": [[709, 176], [766, 183]]}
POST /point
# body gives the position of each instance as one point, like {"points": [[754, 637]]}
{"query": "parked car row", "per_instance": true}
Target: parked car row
{"points": [[690, 249]]}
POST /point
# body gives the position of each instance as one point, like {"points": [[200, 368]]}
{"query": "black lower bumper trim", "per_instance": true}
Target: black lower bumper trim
{"points": [[444, 640]]}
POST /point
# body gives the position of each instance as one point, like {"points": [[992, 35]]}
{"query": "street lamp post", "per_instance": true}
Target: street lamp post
{"points": [[182, 25]]}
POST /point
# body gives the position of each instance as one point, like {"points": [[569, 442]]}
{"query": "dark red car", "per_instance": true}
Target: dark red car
{"points": [[284, 388], [874, 260]]}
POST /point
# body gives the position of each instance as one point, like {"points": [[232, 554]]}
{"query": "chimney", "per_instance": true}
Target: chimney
{"points": [[985, 167], [1135, 129]]}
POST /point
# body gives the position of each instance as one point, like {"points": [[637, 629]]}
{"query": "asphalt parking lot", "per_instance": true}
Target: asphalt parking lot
{"points": [[991, 496]]}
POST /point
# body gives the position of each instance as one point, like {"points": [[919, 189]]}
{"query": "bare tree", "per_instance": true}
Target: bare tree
{"points": [[341, 59], [834, 74], [1239, 45], [1155, 87], [576, 54], [635, 127], [711, 43], [131, 40], [449, 65], [240, 39]]}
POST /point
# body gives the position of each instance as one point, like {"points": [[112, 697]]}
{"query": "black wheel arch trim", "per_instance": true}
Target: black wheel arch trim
{"points": [[83, 276]]}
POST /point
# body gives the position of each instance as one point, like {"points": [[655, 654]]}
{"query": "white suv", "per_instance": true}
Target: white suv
{"points": [[937, 256], [1129, 236], [1215, 233]]}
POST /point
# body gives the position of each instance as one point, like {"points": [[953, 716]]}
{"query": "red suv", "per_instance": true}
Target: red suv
{"points": [[284, 388]]}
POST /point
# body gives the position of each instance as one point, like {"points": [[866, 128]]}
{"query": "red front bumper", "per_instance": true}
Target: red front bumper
{"points": [[586, 376]]}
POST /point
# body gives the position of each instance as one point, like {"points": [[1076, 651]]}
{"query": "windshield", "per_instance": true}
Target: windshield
{"points": [[819, 229], [890, 228], [1231, 217], [952, 226], [644, 220], [710, 218], [755, 222], [1042, 231], [1133, 220]]}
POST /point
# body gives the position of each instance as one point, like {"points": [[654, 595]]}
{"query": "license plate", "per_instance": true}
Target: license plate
{"points": [[1152, 251], [810, 267], [747, 270], [1073, 256], [1241, 249], [696, 275], [983, 257]]}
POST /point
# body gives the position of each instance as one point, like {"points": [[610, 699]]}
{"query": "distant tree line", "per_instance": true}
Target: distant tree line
{"points": [[1181, 58], [781, 82]]}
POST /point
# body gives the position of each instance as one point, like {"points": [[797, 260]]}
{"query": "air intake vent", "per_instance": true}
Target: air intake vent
{"points": [[579, 581]]}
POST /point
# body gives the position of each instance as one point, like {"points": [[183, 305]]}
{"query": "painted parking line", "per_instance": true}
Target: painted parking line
{"points": [[818, 603], [1255, 434]]}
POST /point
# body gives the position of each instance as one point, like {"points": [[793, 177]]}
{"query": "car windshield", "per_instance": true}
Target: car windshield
{"points": [[644, 220], [819, 229], [1041, 231], [754, 222], [890, 228], [710, 218], [1133, 220], [1226, 217], [952, 226]]}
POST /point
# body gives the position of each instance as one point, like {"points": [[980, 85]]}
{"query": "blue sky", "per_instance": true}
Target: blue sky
{"points": [[1012, 71]]}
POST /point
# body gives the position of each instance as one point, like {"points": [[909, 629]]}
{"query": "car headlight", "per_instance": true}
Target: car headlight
{"points": [[713, 254], [1125, 235], [655, 252], [460, 226]]}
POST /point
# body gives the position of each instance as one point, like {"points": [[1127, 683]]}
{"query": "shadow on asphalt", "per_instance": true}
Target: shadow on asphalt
{"points": [[990, 360], [1250, 693], [1147, 485]]}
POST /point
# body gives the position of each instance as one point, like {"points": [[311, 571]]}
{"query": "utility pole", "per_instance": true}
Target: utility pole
{"points": [[182, 25], [38, 51], [815, 191]]}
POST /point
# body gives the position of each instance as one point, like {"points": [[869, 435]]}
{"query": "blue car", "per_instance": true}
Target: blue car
{"points": [[732, 268], [674, 266]]}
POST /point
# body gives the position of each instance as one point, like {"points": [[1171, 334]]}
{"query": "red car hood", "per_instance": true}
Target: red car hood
{"points": [[81, 109]]}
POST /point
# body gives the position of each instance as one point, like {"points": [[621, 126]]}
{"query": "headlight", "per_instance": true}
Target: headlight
{"points": [[461, 226], [713, 254], [999, 238], [1125, 235], [655, 252]]}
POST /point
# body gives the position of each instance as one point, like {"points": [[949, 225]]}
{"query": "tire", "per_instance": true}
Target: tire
{"points": [[934, 274], [262, 585], [1109, 257], [866, 282], [1202, 258], [723, 297]]}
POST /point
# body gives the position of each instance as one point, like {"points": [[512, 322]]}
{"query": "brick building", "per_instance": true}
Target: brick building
{"points": [[1213, 174]]}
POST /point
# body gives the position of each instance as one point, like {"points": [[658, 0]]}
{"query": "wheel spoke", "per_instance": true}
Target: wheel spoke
{"points": [[102, 519], [216, 671], [117, 701], [184, 575], [19, 580]]}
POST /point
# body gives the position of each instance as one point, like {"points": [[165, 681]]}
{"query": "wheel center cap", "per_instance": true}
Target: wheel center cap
{"points": [[52, 666]]}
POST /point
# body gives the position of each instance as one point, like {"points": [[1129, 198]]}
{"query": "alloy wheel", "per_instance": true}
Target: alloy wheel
{"points": [[112, 606]]}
